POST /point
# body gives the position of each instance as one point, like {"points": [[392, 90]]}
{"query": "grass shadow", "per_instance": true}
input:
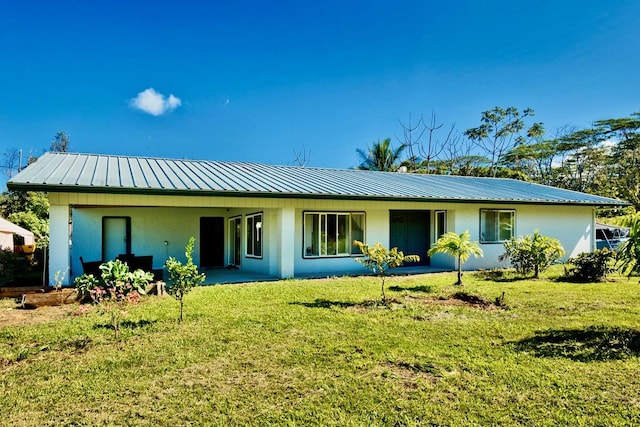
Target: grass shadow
{"points": [[593, 344], [367, 304], [571, 279], [502, 276], [324, 303], [420, 288], [127, 324]]}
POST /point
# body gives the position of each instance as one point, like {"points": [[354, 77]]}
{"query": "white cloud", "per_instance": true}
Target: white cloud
{"points": [[154, 103]]}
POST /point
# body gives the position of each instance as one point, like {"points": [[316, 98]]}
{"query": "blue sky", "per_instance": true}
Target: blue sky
{"points": [[256, 80]]}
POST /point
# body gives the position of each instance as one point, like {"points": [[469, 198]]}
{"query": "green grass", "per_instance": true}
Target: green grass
{"points": [[322, 352]]}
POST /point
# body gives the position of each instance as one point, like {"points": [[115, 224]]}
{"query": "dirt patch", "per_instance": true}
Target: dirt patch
{"points": [[11, 314], [460, 299]]}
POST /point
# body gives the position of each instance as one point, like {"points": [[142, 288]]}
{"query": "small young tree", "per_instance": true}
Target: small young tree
{"points": [[532, 253], [183, 277], [458, 246], [380, 260]]}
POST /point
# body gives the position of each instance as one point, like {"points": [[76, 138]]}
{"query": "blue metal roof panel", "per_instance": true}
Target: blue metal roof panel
{"points": [[102, 173]]}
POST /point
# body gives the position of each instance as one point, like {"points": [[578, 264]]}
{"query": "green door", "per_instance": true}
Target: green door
{"points": [[410, 233]]}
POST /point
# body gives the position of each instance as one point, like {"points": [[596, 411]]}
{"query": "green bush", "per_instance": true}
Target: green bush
{"points": [[591, 266], [8, 265], [115, 283], [532, 253]]}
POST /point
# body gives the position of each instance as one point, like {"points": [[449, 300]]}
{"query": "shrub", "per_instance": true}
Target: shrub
{"points": [[532, 253], [8, 265], [591, 266]]}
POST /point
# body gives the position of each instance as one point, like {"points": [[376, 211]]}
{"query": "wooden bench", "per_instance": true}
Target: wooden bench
{"points": [[141, 262]]}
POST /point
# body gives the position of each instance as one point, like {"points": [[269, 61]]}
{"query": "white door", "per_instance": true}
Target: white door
{"points": [[115, 237]]}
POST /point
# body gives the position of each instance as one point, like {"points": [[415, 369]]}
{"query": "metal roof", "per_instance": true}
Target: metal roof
{"points": [[72, 172]]}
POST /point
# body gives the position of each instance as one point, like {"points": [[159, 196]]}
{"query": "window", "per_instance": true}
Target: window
{"points": [[254, 235], [497, 225], [440, 224], [332, 234]]}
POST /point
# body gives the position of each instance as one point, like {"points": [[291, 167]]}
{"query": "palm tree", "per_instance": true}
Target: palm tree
{"points": [[629, 253], [381, 156], [459, 246]]}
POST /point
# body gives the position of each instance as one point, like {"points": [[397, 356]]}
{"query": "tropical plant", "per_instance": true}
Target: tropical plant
{"points": [[381, 156], [591, 266], [86, 286], [183, 277], [628, 255], [458, 246], [380, 260], [532, 253], [115, 283], [116, 287]]}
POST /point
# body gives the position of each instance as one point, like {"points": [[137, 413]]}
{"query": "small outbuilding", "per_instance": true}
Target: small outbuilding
{"points": [[9, 230]]}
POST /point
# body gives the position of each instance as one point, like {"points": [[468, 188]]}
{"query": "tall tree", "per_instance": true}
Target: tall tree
{"points": [[500, 130], [381, 156], [61, 142], [623, 136], [11, 161], [423, 144], [603, 159]]}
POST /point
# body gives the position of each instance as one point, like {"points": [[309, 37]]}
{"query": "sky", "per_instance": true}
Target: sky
{"points": [[258, 81]]}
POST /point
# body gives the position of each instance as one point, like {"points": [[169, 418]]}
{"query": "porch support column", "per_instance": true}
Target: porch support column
{"points": [[59, 254], [286, 262]]}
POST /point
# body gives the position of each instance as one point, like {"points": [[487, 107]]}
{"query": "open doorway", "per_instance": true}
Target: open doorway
{"points": [[211, 242]]}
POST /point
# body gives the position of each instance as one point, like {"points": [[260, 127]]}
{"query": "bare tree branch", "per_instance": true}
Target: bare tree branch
{"points": [[301, 157]]}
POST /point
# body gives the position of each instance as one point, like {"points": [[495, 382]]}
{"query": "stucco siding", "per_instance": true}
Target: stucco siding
{"points": [[572, 225], [151, 228], [156, 219]]}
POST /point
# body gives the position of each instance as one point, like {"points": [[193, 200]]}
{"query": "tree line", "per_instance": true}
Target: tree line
{"points": [[603, 159]]}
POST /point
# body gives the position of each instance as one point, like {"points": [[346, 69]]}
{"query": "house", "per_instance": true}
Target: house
{"points": [[7, 232], [286, 221]]}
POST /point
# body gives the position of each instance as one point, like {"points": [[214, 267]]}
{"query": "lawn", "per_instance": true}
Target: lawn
{"points": [[323, 352]]}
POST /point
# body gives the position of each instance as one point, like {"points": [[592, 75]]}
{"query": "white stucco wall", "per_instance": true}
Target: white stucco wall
{"points": [[156, 219], [572, 225]]}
